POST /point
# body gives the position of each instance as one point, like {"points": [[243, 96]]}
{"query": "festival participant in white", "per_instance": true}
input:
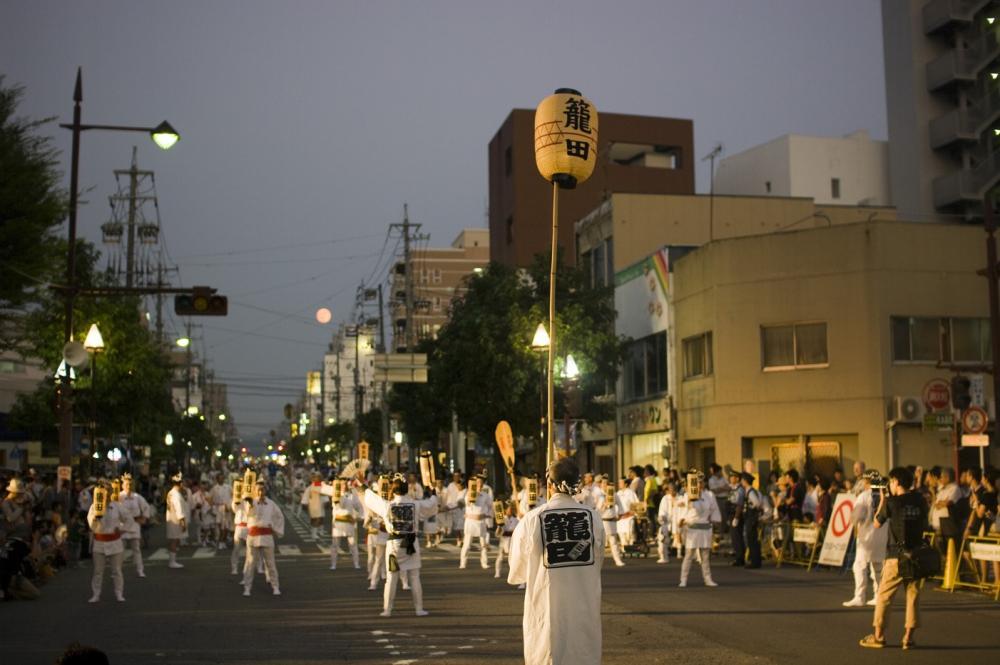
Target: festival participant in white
{"points": [[239, 508], [626, 500], [453, 515], [701, 513], [528, 499], [347, 510], [377, 538], [221, 496], [556, 550], [870, 545], [504, 533], [608, 510], [401, 515], [107, 520], [177, 514], [315, 502], [265, 521], [664, 515], [478, 510], [138, 509]]}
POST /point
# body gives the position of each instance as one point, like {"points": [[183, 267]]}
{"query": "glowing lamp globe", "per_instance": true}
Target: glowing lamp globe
{"points": [[323, 315], [566, 138]]}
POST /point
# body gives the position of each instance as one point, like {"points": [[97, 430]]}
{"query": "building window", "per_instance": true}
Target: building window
{"points": [[794, 345], [698, 356], [436, 276], [436, 305], [510, 230], [940, 339], [645, 371], [835, 188], [12, 367], [508, 161]]}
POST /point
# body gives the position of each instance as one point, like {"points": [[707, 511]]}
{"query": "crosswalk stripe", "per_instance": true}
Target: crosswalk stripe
{"points": [[159, 555], [289, 550], [204, 553]]}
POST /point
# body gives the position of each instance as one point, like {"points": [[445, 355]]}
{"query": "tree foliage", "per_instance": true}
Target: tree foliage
{"points": [[482, 364], [32, 206]]}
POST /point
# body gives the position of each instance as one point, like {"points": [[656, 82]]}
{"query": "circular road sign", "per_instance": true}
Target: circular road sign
{"points": [[974, 420], [937, 395], [841, 521]]}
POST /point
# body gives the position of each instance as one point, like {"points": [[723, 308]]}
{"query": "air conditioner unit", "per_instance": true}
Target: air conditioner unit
{"points": [[907, 409]]}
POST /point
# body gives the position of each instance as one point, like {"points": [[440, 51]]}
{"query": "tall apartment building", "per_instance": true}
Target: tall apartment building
{"points": [[637, 154], [344, 392], [943, 105], [849, 170], [439, 276]]}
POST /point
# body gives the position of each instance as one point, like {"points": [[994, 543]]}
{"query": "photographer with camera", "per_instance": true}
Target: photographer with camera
{"points": [[905, 511]]}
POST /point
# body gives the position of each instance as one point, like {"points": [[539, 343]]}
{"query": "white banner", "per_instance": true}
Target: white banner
{"points": [[985, 551], [838, 532], [805, 534]]}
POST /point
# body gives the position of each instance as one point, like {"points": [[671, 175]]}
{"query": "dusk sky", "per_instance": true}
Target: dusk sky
{"points": [[307, 125]]}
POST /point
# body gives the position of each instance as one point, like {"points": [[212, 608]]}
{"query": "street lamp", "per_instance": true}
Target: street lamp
{"points": [[164, 136], [540, 343], [94, 344], [571, 375]]}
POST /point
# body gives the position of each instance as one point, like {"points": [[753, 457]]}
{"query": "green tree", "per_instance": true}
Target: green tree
{"points": [[31, 209], [126, 390], [484, 368]]}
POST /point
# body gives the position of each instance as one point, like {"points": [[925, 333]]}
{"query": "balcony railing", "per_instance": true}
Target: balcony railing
{"points": [[963, 64], [966, 124], [939, 14], [967, 185]]}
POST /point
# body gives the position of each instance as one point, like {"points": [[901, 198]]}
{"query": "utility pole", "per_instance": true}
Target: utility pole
{"points": [[381, 349], [991, 274], [159, 304], [133, 200], [406, 227], [187, 380]]}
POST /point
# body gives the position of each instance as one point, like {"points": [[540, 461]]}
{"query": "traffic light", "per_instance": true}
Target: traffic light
{"points": [[202, 301], [961, 398]]}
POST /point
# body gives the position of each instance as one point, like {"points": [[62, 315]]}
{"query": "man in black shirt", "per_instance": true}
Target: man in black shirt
{"points": [[905, 511]]}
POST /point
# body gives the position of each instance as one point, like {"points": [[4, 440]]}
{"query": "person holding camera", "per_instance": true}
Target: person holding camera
{"points": [[905, 512]]}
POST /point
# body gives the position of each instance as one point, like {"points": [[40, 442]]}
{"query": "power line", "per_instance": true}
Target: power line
{"points": [[272, 248]]}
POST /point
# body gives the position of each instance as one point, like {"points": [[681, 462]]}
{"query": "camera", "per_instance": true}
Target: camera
{"points": [[876, 479]]}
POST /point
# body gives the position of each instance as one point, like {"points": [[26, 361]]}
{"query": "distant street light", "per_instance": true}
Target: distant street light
{"points": [[164, 136], [168, 439], [183, 342], [222, 416]]}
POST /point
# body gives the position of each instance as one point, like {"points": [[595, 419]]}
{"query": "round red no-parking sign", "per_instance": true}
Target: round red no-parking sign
{"points": [[841, 521], [937, 395]]}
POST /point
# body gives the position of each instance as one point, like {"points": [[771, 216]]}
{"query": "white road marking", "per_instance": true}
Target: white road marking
{"points": [[159, 555], [204, 553], [289, 550]]}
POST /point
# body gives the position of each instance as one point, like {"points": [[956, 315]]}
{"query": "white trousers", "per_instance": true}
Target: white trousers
{"points": [[376, 564], [503, 548], [703, 553], [239, 550], [863, 564], [484, 550], [135, 544], [97, 581], [352, 545], [611, 540], [389, 595], [254, 556]]}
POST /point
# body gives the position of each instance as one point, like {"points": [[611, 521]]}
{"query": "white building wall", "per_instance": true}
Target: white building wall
{"points": [[805, 166]]}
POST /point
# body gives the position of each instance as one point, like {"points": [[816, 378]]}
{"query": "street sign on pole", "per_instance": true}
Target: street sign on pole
{"points": [[974, 420]]}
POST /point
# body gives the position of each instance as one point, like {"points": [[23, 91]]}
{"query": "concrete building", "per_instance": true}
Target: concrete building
{"points": [[439, 275], [821, 344], [943, 105], [852, 170], [187, 385], [633, 241], [638, 154], [344, 392]]}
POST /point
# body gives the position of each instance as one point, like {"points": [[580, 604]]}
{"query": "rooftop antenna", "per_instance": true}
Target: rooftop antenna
{"points": [[716, 151]]}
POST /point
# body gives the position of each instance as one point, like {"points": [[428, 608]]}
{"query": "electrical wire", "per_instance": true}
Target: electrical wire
{"points": [[272, 248]]}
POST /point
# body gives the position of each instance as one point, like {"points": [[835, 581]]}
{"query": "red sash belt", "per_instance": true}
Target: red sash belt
{"points": [[241, 524], [107, 537], [473, 517], [260, 531], [625, 516]]}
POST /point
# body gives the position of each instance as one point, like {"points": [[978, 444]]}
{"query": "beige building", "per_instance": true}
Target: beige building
{"points": [[823, 344], [439, 276], [920, 286]]}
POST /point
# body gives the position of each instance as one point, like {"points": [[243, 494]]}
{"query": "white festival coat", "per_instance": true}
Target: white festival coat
{"points": [[314, 500], [698, 516], [264, 514], [871, 542], [562, 603], [477, 515], [401, 516], [177, 512], [135, 506], [115, 520]]}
